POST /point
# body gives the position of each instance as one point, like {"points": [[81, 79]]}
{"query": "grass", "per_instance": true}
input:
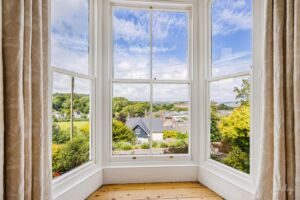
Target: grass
{"points": [[78, 124]]}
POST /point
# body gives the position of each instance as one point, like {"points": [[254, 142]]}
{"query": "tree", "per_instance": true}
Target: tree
{"points": [[243, 93], [118, 104], [121, 133], [136, 110], [236, 127], [215, 135]]}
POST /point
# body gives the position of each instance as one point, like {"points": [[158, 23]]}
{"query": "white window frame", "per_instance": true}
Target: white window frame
{"points": [[207, 166], [191, 157], [89, 174]]}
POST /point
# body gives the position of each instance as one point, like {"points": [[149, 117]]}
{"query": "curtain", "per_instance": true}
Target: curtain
{"points": [[26, 172], [279, 171]]}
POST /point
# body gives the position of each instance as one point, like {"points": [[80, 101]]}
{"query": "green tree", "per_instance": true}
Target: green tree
{"points": [[236, 127], [121, 133], [243, 93], [137, 109], [215, 135], [238, 159], [70, 155], [118, 104]]}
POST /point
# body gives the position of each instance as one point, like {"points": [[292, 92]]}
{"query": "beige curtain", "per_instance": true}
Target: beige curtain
{"points": [[279, 172], [27, 171]]}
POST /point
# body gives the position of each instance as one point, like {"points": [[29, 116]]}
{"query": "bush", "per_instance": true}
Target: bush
{"points": [[180, 146], [59, 136], [70, 155], [145, 146], [238, 159], [181, 136], [121, 133], [169, 134], [125, 146], [163, 145]]}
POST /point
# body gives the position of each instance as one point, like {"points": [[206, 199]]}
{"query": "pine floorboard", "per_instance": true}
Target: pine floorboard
{"points": [[155, 191]]}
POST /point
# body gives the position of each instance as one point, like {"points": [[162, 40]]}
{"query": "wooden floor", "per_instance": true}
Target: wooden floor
{"points": [[157, 191]]}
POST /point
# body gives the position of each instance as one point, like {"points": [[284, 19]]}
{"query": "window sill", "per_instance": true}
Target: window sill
{"points": [[88, 176], [216, 175]]}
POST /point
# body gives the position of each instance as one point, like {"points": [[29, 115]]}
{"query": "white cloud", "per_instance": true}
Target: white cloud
{"points": [[170, 69], [232, 63], [222, 91], [164, 22], [133, 92], [129, 30], [68, 58], [230, 16]]}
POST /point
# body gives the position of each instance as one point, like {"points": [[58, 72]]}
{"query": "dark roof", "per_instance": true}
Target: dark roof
{"points": [[144, 123]]}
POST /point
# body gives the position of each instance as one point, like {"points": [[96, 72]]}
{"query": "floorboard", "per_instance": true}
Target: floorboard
{"points": [[155, 191]]}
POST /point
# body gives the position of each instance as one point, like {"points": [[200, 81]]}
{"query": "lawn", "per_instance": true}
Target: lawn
{"points": [[78, 124]]}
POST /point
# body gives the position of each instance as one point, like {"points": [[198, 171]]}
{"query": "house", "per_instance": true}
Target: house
{"points": [[142, 126]]}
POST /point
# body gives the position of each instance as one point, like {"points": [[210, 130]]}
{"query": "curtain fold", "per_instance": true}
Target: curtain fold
{"points": [[27, 166], [279, 171]]}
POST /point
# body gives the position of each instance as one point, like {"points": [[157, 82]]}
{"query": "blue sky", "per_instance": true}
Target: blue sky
{"points": [[231, 45]]}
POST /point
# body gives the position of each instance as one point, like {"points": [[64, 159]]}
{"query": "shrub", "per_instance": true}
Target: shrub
{"points": [[181, 136], [122, 146], [169, 134], [121, 133], [155, 144], [70, 155], [238, 159], [180, 146], [145, 146], [163, 145], [59, 136]]}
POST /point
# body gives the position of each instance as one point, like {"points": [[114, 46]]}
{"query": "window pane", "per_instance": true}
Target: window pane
{"points": [[131, 44], [70, 134], [170, 45], [170, 122], [130, 124], [69, 35], [231, 36], [230, 122]]}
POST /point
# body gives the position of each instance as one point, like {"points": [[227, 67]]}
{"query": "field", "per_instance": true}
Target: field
{"points": [[77, 124]]}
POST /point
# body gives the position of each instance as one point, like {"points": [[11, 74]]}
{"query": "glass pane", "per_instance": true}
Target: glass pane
{"points": [[170, 45], [70, 133], [130, 119], [170, 122], [69, 35], [231, 36], [131, 44], [230, 122]]}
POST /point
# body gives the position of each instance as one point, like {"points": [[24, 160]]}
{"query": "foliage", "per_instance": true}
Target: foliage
{"points": [[136, 110], [121, 133], [214, 120], [180, 146], [122, 146], [238, 159], [243, 93], [145, 145], [61, 103], [223, 106], [59, 136], [181, 136], [236, 127], [169, 134], [70, 155]]}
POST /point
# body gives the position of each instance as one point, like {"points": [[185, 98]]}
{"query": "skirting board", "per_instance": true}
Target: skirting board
{"points": [[149, 174], [81, 190], [224, 188]]}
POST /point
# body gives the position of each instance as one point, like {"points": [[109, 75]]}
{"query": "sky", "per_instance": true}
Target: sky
{"points": [[231, 47]]}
